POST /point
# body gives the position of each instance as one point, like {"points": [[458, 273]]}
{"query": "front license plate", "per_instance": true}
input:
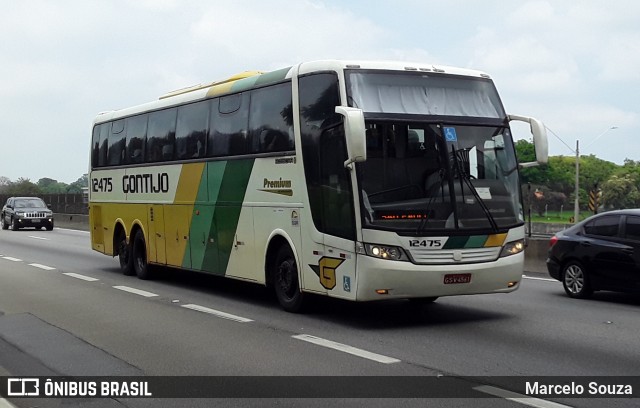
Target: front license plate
{"points": [[455, 278], [35, 220]]}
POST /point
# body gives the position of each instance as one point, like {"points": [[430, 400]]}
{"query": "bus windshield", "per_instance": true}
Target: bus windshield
{"points": [[423, 178], [423, 94]]}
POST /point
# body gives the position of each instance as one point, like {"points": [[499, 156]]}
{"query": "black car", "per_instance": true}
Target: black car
{"points": [[599, 253], [21, 212]]}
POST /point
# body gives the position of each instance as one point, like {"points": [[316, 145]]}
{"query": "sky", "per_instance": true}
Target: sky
{"points": [[575, 65]]}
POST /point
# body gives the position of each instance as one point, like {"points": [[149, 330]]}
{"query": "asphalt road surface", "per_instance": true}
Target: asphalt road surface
{"points": [[66, 310]]}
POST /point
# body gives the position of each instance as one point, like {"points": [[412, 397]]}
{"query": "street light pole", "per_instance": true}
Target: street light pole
{"points": [[576, 206]]}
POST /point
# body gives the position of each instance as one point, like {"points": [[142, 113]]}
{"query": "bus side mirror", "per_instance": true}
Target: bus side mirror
{"points": [[540, 142], [355, 134]]}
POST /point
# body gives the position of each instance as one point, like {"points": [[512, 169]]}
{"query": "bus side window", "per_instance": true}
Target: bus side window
{"points": [[161, 135], [136, 134], [270, 119], [228, 126], [105, 130], [115, 154], [191, 130], [95, 146]]}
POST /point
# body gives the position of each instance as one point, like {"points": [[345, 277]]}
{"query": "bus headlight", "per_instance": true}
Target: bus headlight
{"points": [[512, 248], [392, 253]]}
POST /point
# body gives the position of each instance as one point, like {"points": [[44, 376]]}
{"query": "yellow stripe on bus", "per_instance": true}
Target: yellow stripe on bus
{"points": [[189, 183], [495, 240]]}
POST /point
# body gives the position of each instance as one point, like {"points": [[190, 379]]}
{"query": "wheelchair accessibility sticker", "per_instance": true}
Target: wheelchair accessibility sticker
{"points": [[450, 134]]}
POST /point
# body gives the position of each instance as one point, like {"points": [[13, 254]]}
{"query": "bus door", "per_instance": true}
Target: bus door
{"points": [[177, 221], [337, 264], [157, 250], [204, 239]]}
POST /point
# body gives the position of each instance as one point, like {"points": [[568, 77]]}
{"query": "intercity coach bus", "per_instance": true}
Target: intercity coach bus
{"points": [[356, 180]]}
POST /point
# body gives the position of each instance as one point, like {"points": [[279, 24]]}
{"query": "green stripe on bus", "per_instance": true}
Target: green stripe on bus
{"points": [[218, 220], [476, 241], [272, 77], [455, 242]]}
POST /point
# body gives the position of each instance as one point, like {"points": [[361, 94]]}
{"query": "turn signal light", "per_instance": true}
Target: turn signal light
{"points": [[382, 291]]}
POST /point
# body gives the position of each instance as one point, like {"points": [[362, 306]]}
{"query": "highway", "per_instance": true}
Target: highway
{"points": [[67, 310]]}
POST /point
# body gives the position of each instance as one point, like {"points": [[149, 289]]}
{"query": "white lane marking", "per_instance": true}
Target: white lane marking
{"points": [[45, 267], [135, 291], [5, 404], [42, 238], [74, 230], [347, 349], [515, 397], [8, 258], [83, 277], [540, 279], [217, 313]]}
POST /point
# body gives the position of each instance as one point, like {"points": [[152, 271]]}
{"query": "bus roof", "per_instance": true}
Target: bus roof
{"points": [[253, 79]]}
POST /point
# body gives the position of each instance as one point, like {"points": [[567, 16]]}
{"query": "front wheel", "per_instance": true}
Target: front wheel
{"points": [[576, 281], [14, 225], [139, 256], [4, 223], [286, 282]]}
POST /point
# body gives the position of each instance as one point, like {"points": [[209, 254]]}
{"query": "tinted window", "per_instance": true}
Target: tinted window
{"points": [[191, 130], [161, 135], [136, 134], [324, 153], [603, 226], [95, 145], [632, 228], [270, 119], [29, 203], [117, 142], [105, 129], [228, 126]]}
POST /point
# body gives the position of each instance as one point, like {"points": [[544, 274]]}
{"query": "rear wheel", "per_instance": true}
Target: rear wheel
{"points": [[285, 281], [4, 223], [576, 281], [124, 255], [139, 256]]}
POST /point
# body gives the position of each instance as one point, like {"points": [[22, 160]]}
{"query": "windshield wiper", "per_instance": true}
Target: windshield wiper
{"points": [[466, 178], [432, 197]]}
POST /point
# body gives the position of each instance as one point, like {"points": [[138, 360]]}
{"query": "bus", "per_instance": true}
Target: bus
{"points": [[357, 180]]}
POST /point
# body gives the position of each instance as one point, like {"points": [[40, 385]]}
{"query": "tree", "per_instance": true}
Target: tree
{"points": [[525, 151], [620, 192], [5, 183], [23, 187], [51, 186], [78, 185]]}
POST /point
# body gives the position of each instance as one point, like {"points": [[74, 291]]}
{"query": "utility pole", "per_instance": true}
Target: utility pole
{"points": [[576, 206]]}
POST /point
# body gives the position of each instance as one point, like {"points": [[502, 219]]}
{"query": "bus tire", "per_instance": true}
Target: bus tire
{"points": [[124, 255], [139, 256], [285, 281]]}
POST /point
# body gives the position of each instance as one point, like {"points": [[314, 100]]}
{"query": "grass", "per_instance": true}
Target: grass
{"points": [[557, 217]]}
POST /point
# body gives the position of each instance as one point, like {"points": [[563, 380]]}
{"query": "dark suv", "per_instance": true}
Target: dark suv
{"points": [[20, 212]]}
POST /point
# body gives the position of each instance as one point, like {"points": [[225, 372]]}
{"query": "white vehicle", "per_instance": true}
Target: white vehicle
{"points": [[357, 180]]}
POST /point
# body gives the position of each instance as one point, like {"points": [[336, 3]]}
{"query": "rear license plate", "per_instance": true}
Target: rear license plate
{"points": [[455, 278]]}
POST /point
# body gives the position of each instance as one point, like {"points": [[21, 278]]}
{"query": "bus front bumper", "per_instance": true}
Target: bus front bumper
{"points": [[379, 280]]}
